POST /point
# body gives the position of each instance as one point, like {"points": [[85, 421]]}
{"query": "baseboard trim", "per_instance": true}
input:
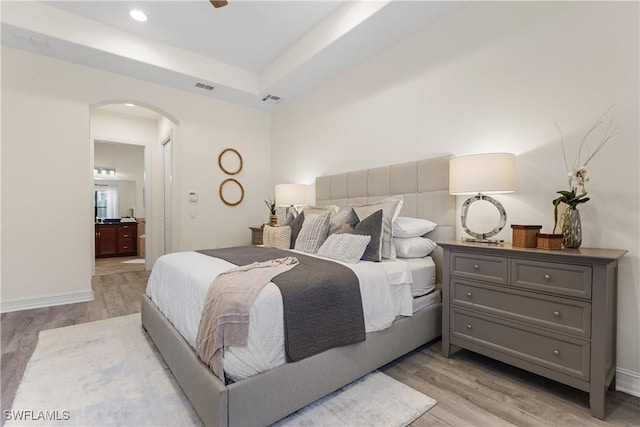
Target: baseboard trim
{"points": [[628, 381], [28, 303]]}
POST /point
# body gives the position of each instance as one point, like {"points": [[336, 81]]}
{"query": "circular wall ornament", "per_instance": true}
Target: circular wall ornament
{"points": [[221, 192], [228, 165]]}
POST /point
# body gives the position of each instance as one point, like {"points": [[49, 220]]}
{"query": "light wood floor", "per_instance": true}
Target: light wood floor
{"points": [[117, 265], [471, 390]]}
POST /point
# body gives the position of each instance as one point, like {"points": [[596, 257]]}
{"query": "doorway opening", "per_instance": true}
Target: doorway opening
{"points": [[119, 207], [125, 137]]}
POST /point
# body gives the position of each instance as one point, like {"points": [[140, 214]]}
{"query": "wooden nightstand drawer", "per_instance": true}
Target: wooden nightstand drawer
{"points": [[480, 267], [563, 354], [562, 315], [561, 279]]}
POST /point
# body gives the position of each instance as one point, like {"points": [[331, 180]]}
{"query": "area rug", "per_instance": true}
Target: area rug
{"points": [[133, 261], [108, 373]]}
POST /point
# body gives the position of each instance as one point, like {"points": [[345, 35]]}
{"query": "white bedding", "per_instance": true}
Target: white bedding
{"points": [[424, 301], [178, 286], [423, 271]]}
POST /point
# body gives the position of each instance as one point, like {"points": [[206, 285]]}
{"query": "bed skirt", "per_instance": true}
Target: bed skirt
{"points": [[265, 398]]}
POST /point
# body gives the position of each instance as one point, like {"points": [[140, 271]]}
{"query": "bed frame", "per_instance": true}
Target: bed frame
{"points": [[265, 398]]}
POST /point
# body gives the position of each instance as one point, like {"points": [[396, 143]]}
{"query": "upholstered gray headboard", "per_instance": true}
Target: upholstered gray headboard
{"points": [[424, 185]]}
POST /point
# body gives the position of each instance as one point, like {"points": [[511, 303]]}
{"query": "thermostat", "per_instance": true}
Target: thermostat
{"points": [[193, 196]]}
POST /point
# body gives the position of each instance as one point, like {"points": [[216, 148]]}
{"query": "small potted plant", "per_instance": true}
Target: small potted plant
{"points": [[273, 217]]}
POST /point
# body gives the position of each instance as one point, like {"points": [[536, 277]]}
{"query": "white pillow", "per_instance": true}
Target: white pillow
{"points": [[412, 227], [313, 232], [413, 247], [276, 237], [344, 247], [390, 210]]}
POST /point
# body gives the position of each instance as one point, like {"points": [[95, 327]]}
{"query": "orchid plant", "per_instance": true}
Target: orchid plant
{"points": [[577, 173]]}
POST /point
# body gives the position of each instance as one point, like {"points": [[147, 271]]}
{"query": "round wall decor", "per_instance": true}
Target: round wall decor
{"points": [[226, 161], [222, 196]]}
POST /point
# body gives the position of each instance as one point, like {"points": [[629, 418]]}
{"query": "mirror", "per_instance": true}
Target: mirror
{"points": [[115, 199], [118, 180]]}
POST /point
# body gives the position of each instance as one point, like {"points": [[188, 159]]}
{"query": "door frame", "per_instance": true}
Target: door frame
{"points": [[167, 193]]}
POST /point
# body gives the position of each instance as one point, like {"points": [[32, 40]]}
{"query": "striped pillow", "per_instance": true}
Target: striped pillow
{"points": [[313, 232], [344, 247]]}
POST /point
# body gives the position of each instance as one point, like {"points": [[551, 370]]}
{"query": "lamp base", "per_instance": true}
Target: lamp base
{"points": [[487, 241], [483, 237]]}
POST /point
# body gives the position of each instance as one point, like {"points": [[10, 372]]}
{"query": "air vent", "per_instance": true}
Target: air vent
{"points": [[272, 99], [204, 86], [30, 39]]}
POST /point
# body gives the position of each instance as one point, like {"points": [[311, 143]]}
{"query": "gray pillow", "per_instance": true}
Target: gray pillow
{"points": [[296, 226], [369, 226]]}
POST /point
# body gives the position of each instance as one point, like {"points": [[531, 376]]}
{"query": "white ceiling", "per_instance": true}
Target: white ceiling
{"points": [[245, 50]]}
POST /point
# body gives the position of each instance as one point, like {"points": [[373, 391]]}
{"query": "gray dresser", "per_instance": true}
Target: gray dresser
{"points": [[549, 312]]}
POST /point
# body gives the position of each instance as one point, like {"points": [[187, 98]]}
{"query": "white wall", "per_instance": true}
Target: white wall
{"points": [[46, 132], [494, 77]]}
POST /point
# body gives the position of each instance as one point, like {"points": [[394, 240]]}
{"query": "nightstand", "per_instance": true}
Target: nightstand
{"points": [[256, 235], [549, 312]]}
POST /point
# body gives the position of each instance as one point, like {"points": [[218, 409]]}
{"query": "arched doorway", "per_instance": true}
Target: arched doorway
{"points": [[126, 149]]}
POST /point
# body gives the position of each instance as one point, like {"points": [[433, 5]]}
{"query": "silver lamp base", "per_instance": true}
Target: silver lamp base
{"points": [[483, 237]]}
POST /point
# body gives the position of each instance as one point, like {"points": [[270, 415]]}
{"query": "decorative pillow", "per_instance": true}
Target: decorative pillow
{"points": [[390, 210], [276, 237], [413, 247], [412, 227], [313, 232], [296, 224], [344, 247], [320, 209], [370, 226], [338, 220]]}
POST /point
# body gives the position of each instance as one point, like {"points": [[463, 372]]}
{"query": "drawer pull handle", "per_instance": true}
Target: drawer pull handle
{"points": [[556, 352], [547, 277], [469, 327], [476, 267], [469, 294], [556, 313]]}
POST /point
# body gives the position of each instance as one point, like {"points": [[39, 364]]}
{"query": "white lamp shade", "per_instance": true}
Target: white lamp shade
{"points": [[483, 173], [291, 194]]}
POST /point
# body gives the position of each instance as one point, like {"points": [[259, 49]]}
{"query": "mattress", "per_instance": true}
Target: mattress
{"points": [[424, 301], [423, 272], [178, 286]]}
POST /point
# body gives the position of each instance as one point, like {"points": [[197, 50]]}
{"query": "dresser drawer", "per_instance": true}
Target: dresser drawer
{"points": [[561, 279], [125, 246], [562, 315], [481, 267], [562, 354]]}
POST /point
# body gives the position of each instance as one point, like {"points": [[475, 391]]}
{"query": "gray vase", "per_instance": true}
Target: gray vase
{"points": [[572, 229]]}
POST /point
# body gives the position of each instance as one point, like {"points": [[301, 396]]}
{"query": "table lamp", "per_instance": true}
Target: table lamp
{"points": [[290, 195], [479, 175]]}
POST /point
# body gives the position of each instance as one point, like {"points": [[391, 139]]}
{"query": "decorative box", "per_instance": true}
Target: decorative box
{"points": [[524, 236], [549, 241]]}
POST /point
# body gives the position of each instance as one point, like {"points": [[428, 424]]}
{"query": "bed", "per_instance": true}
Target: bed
{"points": [[266, 397]]}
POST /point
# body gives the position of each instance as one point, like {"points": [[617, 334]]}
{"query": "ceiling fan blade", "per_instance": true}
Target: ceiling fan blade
{"points": [[218, 3]]}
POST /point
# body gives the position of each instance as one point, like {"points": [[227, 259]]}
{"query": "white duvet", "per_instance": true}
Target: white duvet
{"points": [[178, 286]]}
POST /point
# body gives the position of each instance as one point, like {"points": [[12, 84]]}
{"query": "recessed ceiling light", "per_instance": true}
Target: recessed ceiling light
{"points": [[128, 104], [138, 15]]}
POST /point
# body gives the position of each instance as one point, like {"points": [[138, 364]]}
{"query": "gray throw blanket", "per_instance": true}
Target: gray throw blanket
{"points": [[225, 315], [321, 300]]}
